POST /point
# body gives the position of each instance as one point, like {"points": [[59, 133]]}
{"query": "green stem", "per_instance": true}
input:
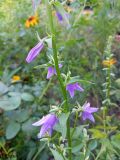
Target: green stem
{"points": [[66, 106], [109, 83], [107, 97], [76, 117]]}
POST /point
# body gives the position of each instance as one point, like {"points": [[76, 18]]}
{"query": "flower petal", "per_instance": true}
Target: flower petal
{"points": [[59, 16], [86, 115], [34, 52], [78, 87], [42, 121], [43, 130], [91, 109], [51, 72], [70, 89]]}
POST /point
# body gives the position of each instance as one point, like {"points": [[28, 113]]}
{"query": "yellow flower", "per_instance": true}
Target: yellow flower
{"points": [[109, 62], [32, 21], [15, 78]]}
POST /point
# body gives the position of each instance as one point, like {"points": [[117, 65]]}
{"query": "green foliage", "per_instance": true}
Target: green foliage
{"points": [[83, 48]]}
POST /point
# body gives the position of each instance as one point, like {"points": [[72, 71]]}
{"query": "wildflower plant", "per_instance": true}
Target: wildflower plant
{"points": [[58, 120]]}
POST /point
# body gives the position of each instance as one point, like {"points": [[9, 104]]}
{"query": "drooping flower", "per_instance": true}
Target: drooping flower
{"points": [[109, 62], [72, 87], [87, 112], [32, 21], [52, 71], [15, 78], [47, 124], [59, 16], [63, 19], [34, 52]]}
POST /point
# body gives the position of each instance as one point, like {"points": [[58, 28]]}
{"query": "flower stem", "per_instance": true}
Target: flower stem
{"points": [[66, 106]]}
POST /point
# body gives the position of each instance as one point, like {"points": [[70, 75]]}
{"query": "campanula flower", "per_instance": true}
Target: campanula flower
{"points": [[87, 112], [47, 124], [63, 19], [59, 16], [34, 52], [72, 87], [52, 71]]}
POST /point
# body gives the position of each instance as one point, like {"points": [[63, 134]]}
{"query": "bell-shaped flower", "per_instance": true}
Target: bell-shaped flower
{"points": [[88, 111], [47, 124], [34, 52], [52, 71], [63, 18], [72, 87]]}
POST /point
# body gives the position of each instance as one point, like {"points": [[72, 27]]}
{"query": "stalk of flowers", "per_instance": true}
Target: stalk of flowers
{"points": [[55, 56], [108, 63], [49, 121]]}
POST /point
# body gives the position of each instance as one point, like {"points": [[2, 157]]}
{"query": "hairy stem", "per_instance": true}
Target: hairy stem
{"points": [[66, 106]]}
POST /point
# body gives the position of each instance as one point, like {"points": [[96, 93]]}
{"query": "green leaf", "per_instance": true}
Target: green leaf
{"points": [[27, 126], [61, 127], [21, 115], [92, 145], [115, 141], [77, 79], [118, 82], [97, 133], [3, 88], [27, 97], [57, 155], [77, 146], [12, 129], [10, 103]]}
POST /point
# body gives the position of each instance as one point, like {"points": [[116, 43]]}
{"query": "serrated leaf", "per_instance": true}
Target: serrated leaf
{"points": [[27, 97], [12, 129]]}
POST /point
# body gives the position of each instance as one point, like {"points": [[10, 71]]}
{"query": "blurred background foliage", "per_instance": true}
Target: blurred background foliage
{"points": [[28, 98]]}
